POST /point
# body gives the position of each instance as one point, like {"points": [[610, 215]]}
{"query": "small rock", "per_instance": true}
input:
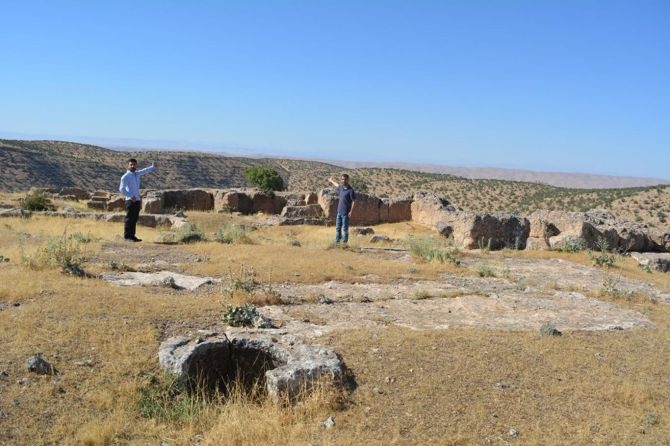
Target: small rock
{"points": [[38, 365], [330, 422], [363, 231], [323, 299], [513, 432], [379, 238], [85, 363], [501, 386]]}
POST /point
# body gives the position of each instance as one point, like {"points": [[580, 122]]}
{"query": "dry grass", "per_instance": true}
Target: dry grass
{"points": [[414, 387]]}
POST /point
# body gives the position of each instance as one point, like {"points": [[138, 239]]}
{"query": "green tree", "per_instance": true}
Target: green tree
{"points": [[264, 177]]}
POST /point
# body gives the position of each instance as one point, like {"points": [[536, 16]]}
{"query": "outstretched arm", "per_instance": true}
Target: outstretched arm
{"points": [[333, 182]]}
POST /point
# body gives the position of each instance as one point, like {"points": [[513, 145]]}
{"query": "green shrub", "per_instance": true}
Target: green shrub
{"points": [[548, 329], [425, 248], [187, 233], [231, 233], [485, 270], [36, 201], [604, 257], [572, 246], [63, 252], [245, 316]]}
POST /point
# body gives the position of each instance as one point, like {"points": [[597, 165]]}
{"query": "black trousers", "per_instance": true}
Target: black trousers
{"points": [[130, 222]]}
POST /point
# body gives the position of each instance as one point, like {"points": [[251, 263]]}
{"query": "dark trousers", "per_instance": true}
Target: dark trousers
{"points": [[130, 222]]}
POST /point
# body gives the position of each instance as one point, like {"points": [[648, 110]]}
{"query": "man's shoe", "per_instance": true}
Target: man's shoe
{"points": [[132, 239], [135, 239]]}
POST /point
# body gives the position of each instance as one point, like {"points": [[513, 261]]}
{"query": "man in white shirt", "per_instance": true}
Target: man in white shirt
{"points": [[130, 188]]}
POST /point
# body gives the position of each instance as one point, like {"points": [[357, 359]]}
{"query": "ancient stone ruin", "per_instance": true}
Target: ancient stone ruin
{"points": [[496, 230], [281, 364]]}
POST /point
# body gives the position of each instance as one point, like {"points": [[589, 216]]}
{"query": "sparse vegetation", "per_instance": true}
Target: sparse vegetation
{"points": [[572, 246], [232, 233], [604, 257], [245, 315], [432, 251], [549, 329], [485, 270], [36, 201], [59, 252], [186, 233], [163, 399]]}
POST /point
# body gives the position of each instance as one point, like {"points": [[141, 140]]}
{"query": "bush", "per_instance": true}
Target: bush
{"points": [[424, 247], [231, 233], [187, 233], [36, 201], [245, 316], [63, 252], [571, 246], [267, 179]]}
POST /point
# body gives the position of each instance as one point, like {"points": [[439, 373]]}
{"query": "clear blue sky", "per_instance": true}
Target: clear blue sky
{"points": [[555, 85]]}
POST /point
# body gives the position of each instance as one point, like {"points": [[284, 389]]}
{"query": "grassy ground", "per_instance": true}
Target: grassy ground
{"points": [[413, 387]]}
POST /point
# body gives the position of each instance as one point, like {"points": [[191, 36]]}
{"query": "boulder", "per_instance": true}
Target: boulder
{"points": [[169, 200], [79, 194], [328, 200], [235, 201], [309, 211], [116, 203], [552, 229], [656, 261], [429, 209], [493, 231], [283, 364], [267, 203]]}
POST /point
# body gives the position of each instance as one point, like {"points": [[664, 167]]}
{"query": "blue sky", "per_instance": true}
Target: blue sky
{"points": [[566, 85]]}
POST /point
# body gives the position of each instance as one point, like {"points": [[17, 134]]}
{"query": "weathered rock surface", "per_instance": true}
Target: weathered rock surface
{"points": [[393, 210], [286, 366], [156, 202], [553, 229], [161, 278], [652, 260], [489, 231], [306, 211], [429, 209]]}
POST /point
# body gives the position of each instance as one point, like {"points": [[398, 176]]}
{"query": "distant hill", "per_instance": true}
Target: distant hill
{"points": [[57, 164], [558, 179]]}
